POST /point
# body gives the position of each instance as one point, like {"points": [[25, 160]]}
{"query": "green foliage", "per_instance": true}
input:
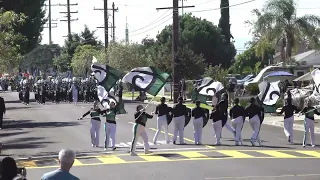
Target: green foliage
{"points": [[217, 73], [33, 26], [41, 57], [10, 50], [253, 89], [202, 37], [82, 59]]}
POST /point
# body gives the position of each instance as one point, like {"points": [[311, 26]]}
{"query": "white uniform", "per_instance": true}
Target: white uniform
{"points": [[74, 94], [217, 127], [197, 130], [288, 128], [237, 124], [162, 122], [309, 127], [139, 130], [179, 128], [255, 125]]}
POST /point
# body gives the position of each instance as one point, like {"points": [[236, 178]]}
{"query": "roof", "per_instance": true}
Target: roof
{"points": [[302, 56], [305, 77]]}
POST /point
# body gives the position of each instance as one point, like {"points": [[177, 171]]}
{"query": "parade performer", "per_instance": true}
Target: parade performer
{"points": [[162, 110], [217, 124], [179, 113], [223, 107], [288, 111], [110, 126], [141, 118], [95, 123], [237, 114], [254, 112], [198, 114], [309, 112], [74, 92]]}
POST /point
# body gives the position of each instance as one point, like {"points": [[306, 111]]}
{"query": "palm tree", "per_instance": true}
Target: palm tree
{"points": [[278, 23]]}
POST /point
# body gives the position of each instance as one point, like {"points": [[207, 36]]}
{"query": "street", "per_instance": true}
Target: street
{"points": [[35, 134]]}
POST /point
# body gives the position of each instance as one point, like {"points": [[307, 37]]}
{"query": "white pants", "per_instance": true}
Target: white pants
{"points": [[288, 128], [197, 130], [162, 122], [75, 96], [237, 124], [308, 127], [139, 130], [95, 132], [255, 125], [179, 128], [110, 130], [217, 126]]}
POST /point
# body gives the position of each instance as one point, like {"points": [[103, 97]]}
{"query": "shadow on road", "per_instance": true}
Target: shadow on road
{"points": [[25, 143], [15, 108], [2, 135], [20, 124], [18, 101]]}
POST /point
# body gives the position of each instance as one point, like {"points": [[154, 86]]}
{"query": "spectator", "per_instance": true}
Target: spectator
{"points": [[66, 160], [9, 170], [231, 88], [2, 110]]}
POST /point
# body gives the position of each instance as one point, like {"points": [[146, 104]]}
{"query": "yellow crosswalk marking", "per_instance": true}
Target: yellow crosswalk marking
{"points": [[27, 164], [191, 154], [77, 163], [111, 159], [276, 154], [310, 153], [153, 158], [235, 154]]}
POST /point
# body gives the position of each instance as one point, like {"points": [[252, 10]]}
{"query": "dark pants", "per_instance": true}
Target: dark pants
{"points": [[1, 119]]}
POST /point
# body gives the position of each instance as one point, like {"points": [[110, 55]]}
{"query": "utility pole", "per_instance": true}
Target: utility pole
{"points": [[113, 23], [127, 32], [69, 12], [182, 6], [50, 21], [175, 45]]}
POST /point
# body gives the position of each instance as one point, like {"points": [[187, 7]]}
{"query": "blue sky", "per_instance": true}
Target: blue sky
{"points": [[141, 13]]}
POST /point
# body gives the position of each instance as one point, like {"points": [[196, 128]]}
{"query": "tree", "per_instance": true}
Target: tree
{"points": [[33, 26], [88, 37], [10, 50], [202, 37], [278, 23], [41, 57], [217, 73], [82, 59], [224, 22]]}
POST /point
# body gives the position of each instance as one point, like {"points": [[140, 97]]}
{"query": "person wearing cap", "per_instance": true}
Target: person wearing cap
{"points": [[179, 111], [237, 114], [254, 112], [95, 113], [110, 125], [162, 110], [141, 118], [309, 112], [198, 114]]}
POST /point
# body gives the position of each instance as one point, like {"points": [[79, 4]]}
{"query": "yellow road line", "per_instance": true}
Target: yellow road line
{"points": [[310, 153], [77, 163], [154, 158], [277, 154], [111, 160], [235, 154], [191, 154]]}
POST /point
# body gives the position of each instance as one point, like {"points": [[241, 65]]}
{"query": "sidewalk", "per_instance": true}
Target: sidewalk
{"points": [[298, 122]]}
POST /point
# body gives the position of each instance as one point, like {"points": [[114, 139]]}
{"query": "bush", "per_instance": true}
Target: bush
{"points": [[189, 85], [253, 89], [279, 103], [244, 102]]}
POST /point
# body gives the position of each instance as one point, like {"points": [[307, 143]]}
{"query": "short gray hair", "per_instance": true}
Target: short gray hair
{"points": [[67, 156]]}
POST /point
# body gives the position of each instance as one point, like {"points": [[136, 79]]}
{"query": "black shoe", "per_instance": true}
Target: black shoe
{"points": [[174, 142], [114, 148]]}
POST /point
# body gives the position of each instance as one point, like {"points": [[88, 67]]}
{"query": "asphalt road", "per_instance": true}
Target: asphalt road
{"points": [[39, 132]]}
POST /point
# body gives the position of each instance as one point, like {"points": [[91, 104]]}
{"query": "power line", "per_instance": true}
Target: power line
{"points": [[152, 28], [154, 22], [206, 2], [224, 7]]}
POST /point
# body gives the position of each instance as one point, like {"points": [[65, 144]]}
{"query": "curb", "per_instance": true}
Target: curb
{"points": [[297, 127]]}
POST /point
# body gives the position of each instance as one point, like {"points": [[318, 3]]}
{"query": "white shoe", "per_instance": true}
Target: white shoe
{"points": [[133, 154], [313, 145], [217, 144], [304, 145], [93, 145], [147, 152]]}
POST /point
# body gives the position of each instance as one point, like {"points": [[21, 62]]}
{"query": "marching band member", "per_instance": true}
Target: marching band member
{"points": [[95, 123], [309, 112], [223, 107], [254, 112], [110, 126], [179, 113], [162, 110], [237, 114], [74, 91], [217, 124], [198, 113], [288, 111], [141, 118]]}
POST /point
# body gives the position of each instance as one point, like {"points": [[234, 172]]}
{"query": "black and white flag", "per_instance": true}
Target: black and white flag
{"points": [[269, 92], [209, 87]]}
